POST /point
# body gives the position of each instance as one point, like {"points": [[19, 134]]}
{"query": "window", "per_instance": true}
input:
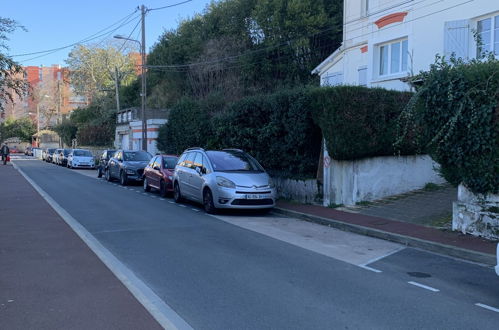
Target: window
{"points": [[393, 58], [198, 161], [40, 75], [189, 160], [58, 75], [488, 36]]}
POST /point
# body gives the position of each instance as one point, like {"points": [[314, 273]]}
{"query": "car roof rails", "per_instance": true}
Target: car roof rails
{"points": [[194, 148], [232, 149]]}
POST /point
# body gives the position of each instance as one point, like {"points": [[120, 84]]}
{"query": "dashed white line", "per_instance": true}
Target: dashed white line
{"points": [[138, 192], [423, 286], [162, 199], [196, 210], [181, 205], [370, 268], [490, 308], [171, 202]]}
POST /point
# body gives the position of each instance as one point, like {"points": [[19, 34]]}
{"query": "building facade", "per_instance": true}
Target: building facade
{"points": [[386, 41]]}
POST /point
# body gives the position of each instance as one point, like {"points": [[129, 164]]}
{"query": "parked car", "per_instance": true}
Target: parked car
{"points": [[127, 165], [63, 157], [104, 158], [80, 158], [55, 155], [28, 151], [158, 174], [228, 178], [48, 154]]}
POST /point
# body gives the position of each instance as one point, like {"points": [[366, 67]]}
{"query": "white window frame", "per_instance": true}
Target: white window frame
{"points": [[494, 29], [400, 71]]}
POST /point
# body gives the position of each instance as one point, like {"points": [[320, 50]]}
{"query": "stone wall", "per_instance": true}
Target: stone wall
{"points": [[350, 182], [303, 191], [477, 215]]}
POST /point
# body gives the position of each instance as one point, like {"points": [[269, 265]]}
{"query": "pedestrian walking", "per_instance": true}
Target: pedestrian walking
{"points": [[5, 151]]}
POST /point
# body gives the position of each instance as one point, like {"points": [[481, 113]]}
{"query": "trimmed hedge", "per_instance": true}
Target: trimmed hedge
{"points": [[277, 129], [459, 120], [359, 122], [284, 130]]}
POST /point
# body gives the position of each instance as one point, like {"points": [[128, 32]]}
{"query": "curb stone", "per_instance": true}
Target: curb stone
{"points": [[449, 250]]}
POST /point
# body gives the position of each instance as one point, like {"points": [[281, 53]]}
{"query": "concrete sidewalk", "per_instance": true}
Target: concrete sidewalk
{"points": [[416, 235], [49, 278]]}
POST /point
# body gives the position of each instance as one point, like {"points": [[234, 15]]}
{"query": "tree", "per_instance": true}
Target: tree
{"points": [[22, 128], [95, 69], [11, 73]]}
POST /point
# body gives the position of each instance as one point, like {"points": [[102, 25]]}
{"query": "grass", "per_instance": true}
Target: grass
{"points": [[443, 222], [364, 203], [430, 186], [334, 206]]}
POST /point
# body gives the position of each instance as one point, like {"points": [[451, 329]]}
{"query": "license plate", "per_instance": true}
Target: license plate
{"points": [[255, 196]]}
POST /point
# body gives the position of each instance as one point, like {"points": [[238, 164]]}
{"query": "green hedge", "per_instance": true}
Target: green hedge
{"points": [[284, 130], [459, 120], [359, 122]]}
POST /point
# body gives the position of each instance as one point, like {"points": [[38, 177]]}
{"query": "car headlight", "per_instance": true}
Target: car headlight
{"points": [[128, 171], [224, 182], [271, 183]]}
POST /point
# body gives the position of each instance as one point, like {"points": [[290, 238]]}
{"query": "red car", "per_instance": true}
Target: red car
{"points": [[158, 174]]}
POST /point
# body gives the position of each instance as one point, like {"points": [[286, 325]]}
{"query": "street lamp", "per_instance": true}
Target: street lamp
{"points": [[143, 93]]}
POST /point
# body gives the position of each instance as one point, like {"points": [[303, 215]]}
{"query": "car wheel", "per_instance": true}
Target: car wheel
{"points": [[123, 179], [208, 204], [99, 172], [108, 175], [162, 188], [146, 185], [177, 196]]}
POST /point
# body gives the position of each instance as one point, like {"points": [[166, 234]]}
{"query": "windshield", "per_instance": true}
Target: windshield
{"points": [[170, 162], [224, 161], [110, 153], [50, 150], [136, 156], [66, 152], [82, 153]]}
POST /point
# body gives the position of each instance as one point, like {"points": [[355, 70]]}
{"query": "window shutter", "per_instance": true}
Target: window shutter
{"points": [[457, 39]]}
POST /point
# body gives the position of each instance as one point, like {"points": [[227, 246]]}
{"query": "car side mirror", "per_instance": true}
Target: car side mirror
{"points": [[156, 167]]}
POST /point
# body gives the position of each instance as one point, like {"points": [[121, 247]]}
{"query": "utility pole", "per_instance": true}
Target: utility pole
{"points": [[116, 80], [143, 71]]}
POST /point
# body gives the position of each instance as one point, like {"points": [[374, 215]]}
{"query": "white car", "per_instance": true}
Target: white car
{"points": [[497, 254], [81, 158]]}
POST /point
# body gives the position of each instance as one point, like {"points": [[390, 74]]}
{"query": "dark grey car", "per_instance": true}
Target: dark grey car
{"points": [[127, 165]]}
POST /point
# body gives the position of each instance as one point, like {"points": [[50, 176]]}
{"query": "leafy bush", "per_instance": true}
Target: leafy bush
{"points": [[458, 118], [277, 129], [359, 122]]}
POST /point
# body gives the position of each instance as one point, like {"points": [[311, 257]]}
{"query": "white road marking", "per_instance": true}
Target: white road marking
{"points": [[423, 286], [171, 202], [490, 308], [181, 205], [162, 199], [370, 268], [384, 256], [138, 192], [163, 313], [196, 210]]}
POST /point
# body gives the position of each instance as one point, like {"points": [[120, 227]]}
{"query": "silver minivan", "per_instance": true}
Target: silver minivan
{"points": [[228, 178]]}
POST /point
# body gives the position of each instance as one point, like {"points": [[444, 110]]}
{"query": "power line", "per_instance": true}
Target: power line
{"points": [[169, 6], [89, 38], [106, 35]]}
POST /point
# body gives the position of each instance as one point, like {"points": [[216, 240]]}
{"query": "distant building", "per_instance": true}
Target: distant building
{"points": [[50, 96]]}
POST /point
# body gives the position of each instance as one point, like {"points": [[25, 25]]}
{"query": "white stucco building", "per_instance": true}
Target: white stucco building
{"points": [[386, 40], [128, 134]]}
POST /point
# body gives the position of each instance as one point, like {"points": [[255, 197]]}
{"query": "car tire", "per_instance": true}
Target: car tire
{"points": [[123, 179], [162, 188], [108, 175], [177, 195], [99, 172], [208, 204], [146, 185]]}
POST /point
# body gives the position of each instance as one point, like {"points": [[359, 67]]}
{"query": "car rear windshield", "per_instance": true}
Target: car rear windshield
{"points": [[233, 161], [66, 152], [136, 156], [169, 161], [110, 153], [50, 150], [83, 153]]}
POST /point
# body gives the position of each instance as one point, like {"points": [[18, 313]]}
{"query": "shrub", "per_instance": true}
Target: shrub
{"points": [[359, 122], [459, 120]]}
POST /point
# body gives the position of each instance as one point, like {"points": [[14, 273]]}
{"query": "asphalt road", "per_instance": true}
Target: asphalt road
{"points": [[217, 273]]}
